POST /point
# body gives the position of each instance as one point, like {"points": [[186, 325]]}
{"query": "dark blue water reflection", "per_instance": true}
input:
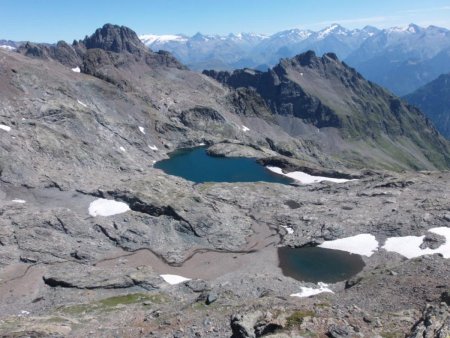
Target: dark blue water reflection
{"points": [[195, 165]]}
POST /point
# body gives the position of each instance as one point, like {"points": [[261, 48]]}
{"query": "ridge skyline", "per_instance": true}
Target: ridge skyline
{"points": [[299, 29], [188, 17]]}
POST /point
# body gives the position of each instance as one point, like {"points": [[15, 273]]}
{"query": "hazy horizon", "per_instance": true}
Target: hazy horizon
{"points": [[52, 20]]}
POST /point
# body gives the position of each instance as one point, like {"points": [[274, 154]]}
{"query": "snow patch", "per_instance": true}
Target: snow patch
{"points": [[76, 69], [245, 129], [149, 39], [142, 130], [335, 28], [308, 292], [289, 230], [153, 147], [409, 246], [5, 128], [7, 47], [104, 207], [122, 149], [174, 279], [81, 103], [362, 244], [306, 178], [19, 201], [23, 313]]}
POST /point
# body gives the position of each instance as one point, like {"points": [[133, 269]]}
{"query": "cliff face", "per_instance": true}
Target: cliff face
{"points": [[326, 93]]}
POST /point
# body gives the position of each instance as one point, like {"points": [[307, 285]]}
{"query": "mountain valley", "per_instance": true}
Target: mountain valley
{"points": [[95, 240], [402, 59]]}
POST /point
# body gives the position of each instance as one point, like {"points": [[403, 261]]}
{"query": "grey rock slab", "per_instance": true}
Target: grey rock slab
{"points": [[90, 277]]}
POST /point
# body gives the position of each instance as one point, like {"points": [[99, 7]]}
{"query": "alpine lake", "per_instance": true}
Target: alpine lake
{"points": [[308, 264]]}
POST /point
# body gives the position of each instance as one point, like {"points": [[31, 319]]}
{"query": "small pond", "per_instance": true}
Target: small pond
{"points": [[195, 165], [313, 264]]}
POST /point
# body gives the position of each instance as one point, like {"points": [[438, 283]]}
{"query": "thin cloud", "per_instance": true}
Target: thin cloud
{"points": [[421, 10], [355, 21], [438, 23]]}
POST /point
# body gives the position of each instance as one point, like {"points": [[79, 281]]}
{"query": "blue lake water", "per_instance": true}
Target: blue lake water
{"points": [[313, 264], [196, 165], [309, 264]]}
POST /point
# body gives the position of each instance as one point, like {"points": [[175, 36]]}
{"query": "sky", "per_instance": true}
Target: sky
{"points": [[53, 20]]}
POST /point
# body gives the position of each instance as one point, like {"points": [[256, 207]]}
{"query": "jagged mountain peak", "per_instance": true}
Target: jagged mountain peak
{"points": [[200, 37], [115, 38], [324, 92], [294, 34], [411, 28], [334, 28], [305, 59], [309, 59], [149, 39]]}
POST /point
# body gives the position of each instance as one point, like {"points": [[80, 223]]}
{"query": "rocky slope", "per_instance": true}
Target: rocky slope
{"points": [[68, 138], [434, 100], [324, 100]]}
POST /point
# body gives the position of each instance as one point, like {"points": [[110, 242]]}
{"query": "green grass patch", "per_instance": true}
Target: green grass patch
{"points": [[323, 305], [132, 298], [297, 318], [199, 306], [385, 334], [111, 303], [57, 320]]}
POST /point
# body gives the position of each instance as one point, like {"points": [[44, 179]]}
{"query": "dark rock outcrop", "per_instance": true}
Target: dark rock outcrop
{"points": [[103, 53], [325, 93], [117, 39], [434, 100], [254, 324], [435, 323]]}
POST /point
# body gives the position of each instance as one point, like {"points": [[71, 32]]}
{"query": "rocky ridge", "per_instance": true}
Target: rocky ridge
{"points": [[323, 100], [76, 137], [401, 59]]}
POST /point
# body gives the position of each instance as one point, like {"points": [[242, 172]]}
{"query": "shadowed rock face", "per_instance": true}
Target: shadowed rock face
{"points": [[95, 51], [326, 93], [116, 39], [434, 100]]}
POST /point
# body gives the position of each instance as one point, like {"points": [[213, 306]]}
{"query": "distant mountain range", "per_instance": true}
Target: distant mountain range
{"points": [[400, 59], [9, 45], [434, 100]]}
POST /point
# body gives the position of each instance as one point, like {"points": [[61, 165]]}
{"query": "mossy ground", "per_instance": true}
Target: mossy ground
{"points": [[111, 303], [297, 317]]}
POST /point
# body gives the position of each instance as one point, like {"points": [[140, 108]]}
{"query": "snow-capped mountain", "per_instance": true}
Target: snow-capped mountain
{"points": [[9, 45], [400, 58], [404, 58], [253, 50], [151, 39]]}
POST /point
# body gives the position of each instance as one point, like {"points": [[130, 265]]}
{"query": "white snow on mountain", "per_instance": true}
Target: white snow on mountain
{"points": [[333, 29], [7, 47], [149, 39], [399, 58]]}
